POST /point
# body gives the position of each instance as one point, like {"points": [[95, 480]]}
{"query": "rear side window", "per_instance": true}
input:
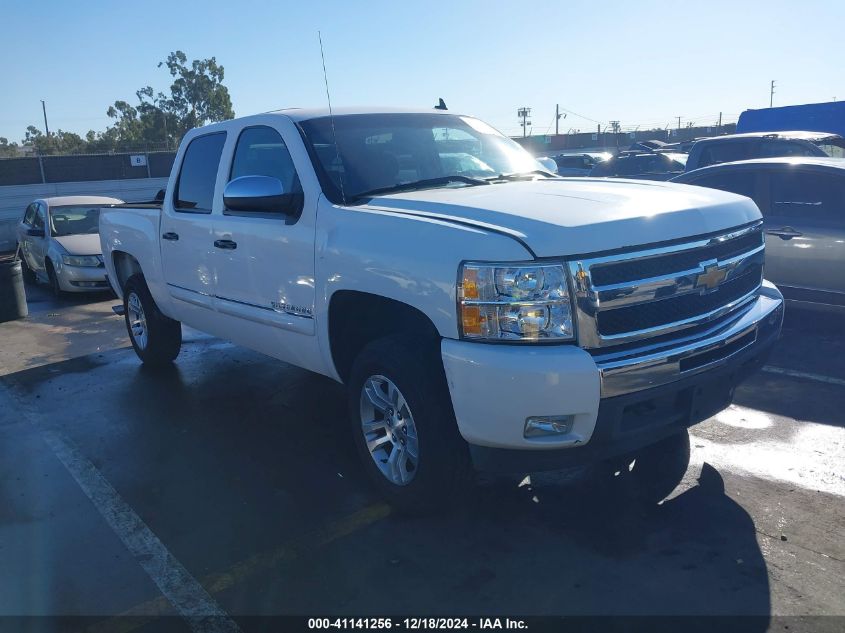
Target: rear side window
{"points": [[195, 186], [725, 153], [808, 196], [772, 148]]}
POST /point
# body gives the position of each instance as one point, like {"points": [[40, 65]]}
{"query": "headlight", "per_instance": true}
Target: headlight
{"points": [[514, 302], [81, 260]]}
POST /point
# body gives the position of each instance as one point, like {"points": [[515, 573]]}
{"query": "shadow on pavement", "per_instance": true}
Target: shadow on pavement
{"points": [[228, 454]]}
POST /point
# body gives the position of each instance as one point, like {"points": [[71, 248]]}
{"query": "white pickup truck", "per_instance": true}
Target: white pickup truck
{"points": [[481, 311]]}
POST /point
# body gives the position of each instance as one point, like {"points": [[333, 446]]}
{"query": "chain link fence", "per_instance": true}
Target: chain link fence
{"points": [[85, 167]]}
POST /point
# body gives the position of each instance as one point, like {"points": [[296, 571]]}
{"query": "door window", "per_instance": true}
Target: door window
{"points": [[808, 196], [262, 152], [29, 214], [742, 182], [198, 176], [38, 217]]}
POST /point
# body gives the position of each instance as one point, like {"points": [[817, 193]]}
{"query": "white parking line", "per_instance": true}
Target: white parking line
{"points": [[187, 595], [803, 374], [182, 590]]}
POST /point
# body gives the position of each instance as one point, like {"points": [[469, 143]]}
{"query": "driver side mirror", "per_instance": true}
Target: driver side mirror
{"points": [[257, 194], [35, 232]]}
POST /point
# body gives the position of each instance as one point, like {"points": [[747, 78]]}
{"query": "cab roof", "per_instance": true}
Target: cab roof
{"points": [[304, 114]]}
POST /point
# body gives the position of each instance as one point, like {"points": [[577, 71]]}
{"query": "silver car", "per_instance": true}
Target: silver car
{"points": [[803, 204], [59, 239]]}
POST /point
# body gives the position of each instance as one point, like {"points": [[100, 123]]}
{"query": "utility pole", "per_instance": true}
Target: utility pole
{"points": [[523, 113], [615, 126], [772, 94], [557, 119], [679, 124], [720, 123], [44, 109]]}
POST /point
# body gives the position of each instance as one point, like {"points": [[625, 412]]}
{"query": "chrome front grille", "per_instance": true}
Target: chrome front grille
{"points": [[655, 292]]}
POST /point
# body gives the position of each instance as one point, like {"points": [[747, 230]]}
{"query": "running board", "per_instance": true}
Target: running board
{"points": [[118, 310]]}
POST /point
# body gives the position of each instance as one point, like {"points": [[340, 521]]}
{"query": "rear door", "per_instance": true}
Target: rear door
{"points": [[805, 234], [265, 268], [187, 241], [24, 239]]}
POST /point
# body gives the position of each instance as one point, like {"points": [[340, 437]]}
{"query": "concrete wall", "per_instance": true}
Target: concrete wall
{"points": [[14, 199]]}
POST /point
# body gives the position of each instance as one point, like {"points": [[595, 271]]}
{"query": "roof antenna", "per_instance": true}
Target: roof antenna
{"points": [[441, 105], [331, 118]]}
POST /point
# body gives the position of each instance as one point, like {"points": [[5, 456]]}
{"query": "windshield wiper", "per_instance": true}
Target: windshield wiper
{"points": [[521, 175], [421, 184]]}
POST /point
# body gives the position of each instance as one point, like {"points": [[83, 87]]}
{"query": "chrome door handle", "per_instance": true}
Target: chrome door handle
{"points": [[226, 244]]}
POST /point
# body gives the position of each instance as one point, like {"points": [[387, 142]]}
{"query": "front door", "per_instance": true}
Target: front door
{"points": [[187, 240], [265, 266], [805, 234]]}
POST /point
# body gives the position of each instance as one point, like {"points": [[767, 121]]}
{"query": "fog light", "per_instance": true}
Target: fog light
{"points": [[547, 425]]}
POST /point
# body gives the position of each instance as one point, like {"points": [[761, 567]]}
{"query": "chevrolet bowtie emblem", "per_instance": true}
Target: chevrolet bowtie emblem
{"points": [[711, 277]]}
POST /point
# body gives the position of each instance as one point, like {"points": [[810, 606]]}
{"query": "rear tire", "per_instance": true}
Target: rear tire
{"points": [[155, 337], [404, 427]]}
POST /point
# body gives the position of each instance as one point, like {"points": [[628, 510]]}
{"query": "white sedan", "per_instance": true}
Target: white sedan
{"points": [[59, 239]]}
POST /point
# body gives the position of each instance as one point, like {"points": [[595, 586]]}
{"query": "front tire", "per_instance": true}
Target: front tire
{"points": [[155, 337], [26, 271], [53, 279], [404, 427]]}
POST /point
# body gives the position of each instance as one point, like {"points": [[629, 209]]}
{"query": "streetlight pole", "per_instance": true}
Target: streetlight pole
{"points": [[44, 109]]}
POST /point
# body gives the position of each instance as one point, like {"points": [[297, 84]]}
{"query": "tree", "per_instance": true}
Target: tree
{"points": [[59, 142], [198, 95], [8, 149]]}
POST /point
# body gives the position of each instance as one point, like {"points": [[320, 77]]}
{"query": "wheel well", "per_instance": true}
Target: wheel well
{"points": [[357, 318], [125, 266]]}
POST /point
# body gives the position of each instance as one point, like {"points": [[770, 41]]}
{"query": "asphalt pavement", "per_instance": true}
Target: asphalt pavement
{"points": [[228, 485]]}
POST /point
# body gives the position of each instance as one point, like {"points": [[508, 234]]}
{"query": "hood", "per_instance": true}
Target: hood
{"points": [[581, 215], [85, 244]]}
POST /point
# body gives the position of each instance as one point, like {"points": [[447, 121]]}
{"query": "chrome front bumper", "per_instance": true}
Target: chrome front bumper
{"points": [[662, 363]]}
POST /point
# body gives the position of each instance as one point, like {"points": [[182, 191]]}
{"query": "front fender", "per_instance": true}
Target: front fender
{"points": [[410, 259]]}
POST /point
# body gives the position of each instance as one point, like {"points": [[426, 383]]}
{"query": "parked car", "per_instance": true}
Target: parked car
{"points": [[735, 147], [578, 164], [803, 206], [641, 166], [548, 164], [60, 243], [519, 322]]}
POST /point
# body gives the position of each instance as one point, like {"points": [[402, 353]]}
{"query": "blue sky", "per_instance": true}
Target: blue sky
{"points": [[644, 63]]}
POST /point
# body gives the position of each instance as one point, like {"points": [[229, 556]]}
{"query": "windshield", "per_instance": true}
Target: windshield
{"points": [[73, 220], [375, 151]]}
